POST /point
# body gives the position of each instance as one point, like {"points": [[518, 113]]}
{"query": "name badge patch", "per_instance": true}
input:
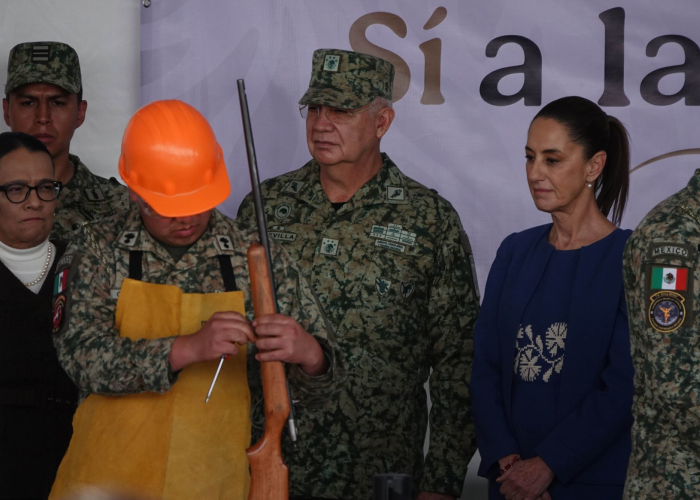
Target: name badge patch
{"points": [[282, 235], [390, 245]]}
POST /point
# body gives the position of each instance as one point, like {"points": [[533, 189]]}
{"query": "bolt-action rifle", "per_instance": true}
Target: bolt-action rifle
{"points": [[268, 473]]}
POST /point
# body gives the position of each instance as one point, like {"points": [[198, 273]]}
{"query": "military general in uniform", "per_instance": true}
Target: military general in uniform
{"points": [[44, 98], [388, 259], [661, 275]]}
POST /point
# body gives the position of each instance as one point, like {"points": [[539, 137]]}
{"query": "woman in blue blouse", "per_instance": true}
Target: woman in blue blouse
{"points": [[552, 379]]}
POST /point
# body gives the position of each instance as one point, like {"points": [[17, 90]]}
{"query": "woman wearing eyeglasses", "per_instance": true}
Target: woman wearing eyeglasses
{"points": [[37, 399]]}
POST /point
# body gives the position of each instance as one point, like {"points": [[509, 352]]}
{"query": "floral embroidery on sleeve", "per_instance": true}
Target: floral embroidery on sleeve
{"points": [[532, 355]]}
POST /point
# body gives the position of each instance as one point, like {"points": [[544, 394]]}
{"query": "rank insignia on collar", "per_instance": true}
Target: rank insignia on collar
{"points": [[293, 187], [129, 238], [329, 246], [666, 311], [407, 289], [94, 194], [395, 193], [382, 285], [223, 242]]}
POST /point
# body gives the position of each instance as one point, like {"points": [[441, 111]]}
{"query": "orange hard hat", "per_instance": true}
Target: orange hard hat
{"points": [[171, 159]]}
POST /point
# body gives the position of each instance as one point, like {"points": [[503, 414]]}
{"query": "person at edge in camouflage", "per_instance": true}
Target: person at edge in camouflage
{"points": [[386, 256], [138, 313], [44, 98], [663, 298]]}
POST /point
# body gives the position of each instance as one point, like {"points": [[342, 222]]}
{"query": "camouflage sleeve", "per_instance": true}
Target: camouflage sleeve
{"points": [[88, 345], [297, 299], [452, 314]]}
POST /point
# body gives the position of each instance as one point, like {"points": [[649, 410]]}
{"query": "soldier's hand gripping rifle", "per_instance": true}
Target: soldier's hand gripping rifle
{"points": [[269, 474]]}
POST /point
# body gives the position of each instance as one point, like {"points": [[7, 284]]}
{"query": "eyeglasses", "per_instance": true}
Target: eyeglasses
{"points": [[17, 192], [148, 210], [334, 115]]}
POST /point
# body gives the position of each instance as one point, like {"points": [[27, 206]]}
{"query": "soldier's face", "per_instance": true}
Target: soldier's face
{"points": [[557, 173], [347, 143], [47, 112], [26, 224], [173, 231]]}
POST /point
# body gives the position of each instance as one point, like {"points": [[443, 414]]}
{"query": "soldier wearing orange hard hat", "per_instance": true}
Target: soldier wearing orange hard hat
{"points": [[144, 307]]}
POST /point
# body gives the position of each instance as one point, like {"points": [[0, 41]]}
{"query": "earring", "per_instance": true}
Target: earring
{"points": [[590, 186]]}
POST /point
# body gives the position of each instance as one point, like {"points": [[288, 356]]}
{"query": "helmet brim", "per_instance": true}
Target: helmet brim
{"points": [[196, 202]]}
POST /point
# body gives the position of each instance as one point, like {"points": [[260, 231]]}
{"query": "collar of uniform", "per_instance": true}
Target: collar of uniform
{"points": [[204, 246], [692, 203], [71, 189], [694, 184], [312, 191], [377, 190], [373, 192]]}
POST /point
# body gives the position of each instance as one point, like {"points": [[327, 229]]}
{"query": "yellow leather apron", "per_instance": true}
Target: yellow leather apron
{"points": [[172, 445]]}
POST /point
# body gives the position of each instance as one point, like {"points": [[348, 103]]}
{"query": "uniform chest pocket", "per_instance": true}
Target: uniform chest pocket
{"points": [[395, 280]]}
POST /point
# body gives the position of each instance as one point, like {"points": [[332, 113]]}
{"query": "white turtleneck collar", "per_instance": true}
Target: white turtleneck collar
{"points": [[27, 264]]}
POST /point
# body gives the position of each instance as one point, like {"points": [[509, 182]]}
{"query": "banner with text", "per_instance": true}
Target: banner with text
{"points": [[470, 77]]}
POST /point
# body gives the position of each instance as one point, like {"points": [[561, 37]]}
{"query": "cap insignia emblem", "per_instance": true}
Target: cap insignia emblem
{"points": [[331, 63]]}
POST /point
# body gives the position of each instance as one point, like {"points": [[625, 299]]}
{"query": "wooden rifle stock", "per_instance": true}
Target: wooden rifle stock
{"points": [[269, 476]]}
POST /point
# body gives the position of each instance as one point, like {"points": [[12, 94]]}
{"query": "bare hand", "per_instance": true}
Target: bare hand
{"points": [[526, 480], [506, 460], [219, 336], [429, 495], [281, 338], [545, 496]]}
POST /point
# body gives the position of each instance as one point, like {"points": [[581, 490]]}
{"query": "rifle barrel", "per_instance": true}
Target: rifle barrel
{"points": [[262, 225]]}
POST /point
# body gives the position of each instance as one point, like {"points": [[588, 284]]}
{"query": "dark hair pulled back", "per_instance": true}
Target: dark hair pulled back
{"points": [[594, 130], [11, 141]]}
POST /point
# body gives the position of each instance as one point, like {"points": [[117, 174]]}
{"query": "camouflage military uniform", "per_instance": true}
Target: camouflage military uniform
{"points": [[391, 272], [661, 272], [88, 345], [87, 197]]}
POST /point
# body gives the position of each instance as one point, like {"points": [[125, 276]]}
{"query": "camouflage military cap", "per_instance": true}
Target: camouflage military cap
{"points": [[43, 62], [348, 80]]}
